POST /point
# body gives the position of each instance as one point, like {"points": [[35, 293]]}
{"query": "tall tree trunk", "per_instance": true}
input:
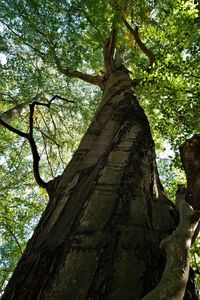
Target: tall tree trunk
{"points": [[100, 233]]}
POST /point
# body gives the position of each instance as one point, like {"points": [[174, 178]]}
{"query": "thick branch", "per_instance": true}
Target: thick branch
{"points": [[143, 47], [190, 157], [35, 154], [96, 80], [108, 52], [34, 150], [29, 137], [17, 131], [177, 246]]}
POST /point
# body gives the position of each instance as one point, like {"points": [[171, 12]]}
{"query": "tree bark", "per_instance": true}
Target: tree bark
{"points": [[190, 156], [99, 236], [177, 248]]}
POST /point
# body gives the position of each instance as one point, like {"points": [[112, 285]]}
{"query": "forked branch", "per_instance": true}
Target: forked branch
{"points": [[29, 136]]}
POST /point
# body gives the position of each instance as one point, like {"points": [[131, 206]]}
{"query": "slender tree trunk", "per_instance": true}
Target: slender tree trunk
{"points": [[100, 233]]}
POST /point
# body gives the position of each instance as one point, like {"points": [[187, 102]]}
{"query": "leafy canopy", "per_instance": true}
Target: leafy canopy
{"points": [[42, 46]]}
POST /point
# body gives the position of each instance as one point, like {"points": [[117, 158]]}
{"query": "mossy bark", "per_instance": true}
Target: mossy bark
{"points": [[100, 233]]}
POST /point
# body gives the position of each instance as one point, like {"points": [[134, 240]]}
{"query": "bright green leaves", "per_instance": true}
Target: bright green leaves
{"points": [[31, 33], [18, 217], [174, 81], [33, 29]]}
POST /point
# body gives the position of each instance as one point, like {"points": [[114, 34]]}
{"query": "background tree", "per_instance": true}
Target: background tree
{"points": [[44, 43]]}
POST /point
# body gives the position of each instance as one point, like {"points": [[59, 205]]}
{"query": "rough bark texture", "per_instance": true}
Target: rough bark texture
{"points": [[177, 248], [190, 156], [99, 236]]}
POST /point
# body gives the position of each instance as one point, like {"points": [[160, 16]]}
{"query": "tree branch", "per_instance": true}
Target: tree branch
{"points": [[16, 131], [48, 104], [14, 236], [47, 156], [49, 137], [16, 110], [88, 18], [177, 246], [30, 138], [42, 54], [190, 157], [143, 47], [34, 150], [108, 52], [96, 80]]}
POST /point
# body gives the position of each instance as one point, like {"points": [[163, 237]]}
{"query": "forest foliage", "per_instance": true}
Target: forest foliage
{"points": [[42, 45]]}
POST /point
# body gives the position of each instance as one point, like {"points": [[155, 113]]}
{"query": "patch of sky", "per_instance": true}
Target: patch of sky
{"points": [[3, 59], [164, 161]]}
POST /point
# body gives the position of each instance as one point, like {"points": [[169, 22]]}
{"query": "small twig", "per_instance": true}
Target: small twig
{"points": [[6, 270], [88, 18], [53, 122], [22, 39], [183, 73], [49, 137], [63, 123], [14, 236], [60, 156], [45, 123], [9, 96], [47, 156]]}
